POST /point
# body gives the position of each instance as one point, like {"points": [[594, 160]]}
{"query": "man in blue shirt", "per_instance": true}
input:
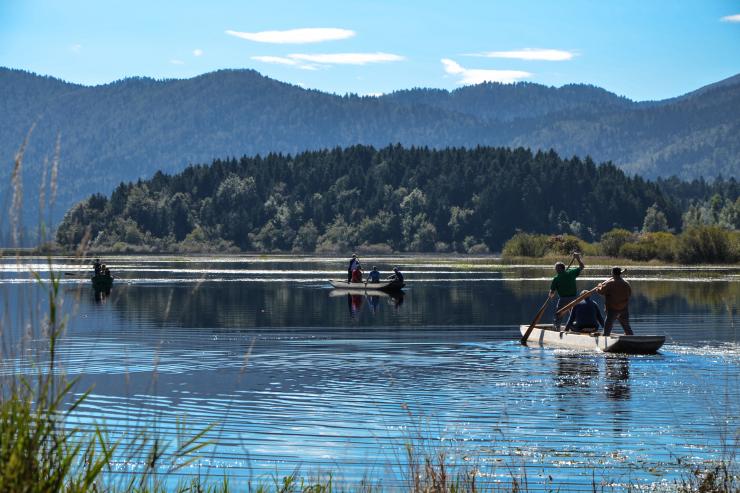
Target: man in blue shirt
{"points": [[373, 276], [585, 316]]}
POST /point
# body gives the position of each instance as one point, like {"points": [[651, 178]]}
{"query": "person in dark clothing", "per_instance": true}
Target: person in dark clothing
{"points": [[396, 276], [585, 316], [354, 263], [97, 266]]}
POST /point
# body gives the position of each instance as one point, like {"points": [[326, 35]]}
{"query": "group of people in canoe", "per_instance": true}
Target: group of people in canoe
{"points": [[354, 273], [100, 269], [585, 316]]}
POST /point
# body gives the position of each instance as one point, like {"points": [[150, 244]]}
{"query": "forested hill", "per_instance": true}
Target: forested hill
{"points": [[394, 198], [132, 128]]}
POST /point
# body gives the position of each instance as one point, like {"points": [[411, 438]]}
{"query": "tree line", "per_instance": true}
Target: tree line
{"points": [[384, 200]]}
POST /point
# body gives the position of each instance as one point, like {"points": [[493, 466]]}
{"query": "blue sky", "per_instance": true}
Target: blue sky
{"points": [[647, 49]]}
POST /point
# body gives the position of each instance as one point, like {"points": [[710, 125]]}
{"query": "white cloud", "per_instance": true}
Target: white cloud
{"points": [[548, 55], [279, 60], [347, 58], [296, 36], [478, 76], [731, 18], [177, 62], [76, 48], [197, 52]]}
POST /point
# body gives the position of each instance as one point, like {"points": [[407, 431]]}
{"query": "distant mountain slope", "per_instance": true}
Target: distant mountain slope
{"points": [[131, 128], [507, 102]]}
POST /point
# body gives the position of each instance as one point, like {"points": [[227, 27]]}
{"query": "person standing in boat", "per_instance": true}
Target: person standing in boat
{"points": [[616, 292], [564, 285], [354, 263], [96, 266], [373, 276], [585, 316]]}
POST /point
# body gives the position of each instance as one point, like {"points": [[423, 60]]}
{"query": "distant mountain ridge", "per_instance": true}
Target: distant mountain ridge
{"points": [[131, 128]]}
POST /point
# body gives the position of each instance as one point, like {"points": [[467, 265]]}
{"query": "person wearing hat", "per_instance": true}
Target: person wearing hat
{"points": [[354, 263], [585, 316], [396, 276], [616, 292]]}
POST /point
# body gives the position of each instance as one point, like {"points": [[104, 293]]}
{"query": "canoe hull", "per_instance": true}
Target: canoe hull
{"points": [[635, 344], [102, 283], [388, 286]]}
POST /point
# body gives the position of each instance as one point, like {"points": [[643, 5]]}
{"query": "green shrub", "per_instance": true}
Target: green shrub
{"points": [[706, 244], [564, 244], [650, 246], [613, 240], [526, 245], [640, 250]]}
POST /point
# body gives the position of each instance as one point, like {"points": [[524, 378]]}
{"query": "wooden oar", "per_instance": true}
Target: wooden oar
{"points": [[582, 297], [536, 320], [541, 312]]}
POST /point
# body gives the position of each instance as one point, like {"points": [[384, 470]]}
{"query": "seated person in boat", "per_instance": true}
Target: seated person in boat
{"points": [[585, 316], [357, 274], [564, 285], [373, 276], [354, 263], [396, 276], [616, 292]]}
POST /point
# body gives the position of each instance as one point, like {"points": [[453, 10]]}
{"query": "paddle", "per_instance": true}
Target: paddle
{"points": [[582, 297], [536, 320], [541, 312]]}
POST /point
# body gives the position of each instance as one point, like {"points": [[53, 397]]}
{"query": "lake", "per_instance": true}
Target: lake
{"points": [[293, 375]]}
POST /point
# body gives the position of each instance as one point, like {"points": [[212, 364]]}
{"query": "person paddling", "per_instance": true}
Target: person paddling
{"points": [[564, 285], [616, 292]]}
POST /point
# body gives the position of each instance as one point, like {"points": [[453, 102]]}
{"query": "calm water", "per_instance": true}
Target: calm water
{"points": [[295, 375]]}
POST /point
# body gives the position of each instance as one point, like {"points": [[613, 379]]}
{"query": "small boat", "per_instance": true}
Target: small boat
{"points": [[102, 282], [615, 343], [371, 286]]}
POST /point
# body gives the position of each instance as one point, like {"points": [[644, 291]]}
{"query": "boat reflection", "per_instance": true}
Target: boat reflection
{"points": [[356, 298]]}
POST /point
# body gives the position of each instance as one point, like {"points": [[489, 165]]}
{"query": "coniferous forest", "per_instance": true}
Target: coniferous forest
{"points": [[389, 199]]}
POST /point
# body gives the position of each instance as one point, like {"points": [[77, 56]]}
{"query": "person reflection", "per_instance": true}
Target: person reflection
{"points": [[374, 303], [617, 377], [101, 295], [396, 299], [575, 370], [354, 304]]}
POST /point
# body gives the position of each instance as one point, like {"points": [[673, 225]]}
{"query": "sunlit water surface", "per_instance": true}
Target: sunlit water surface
{"points": [[292, 374]]}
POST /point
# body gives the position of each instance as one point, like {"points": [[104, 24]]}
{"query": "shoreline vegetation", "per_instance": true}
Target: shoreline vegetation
{"points": [[696, 245]]}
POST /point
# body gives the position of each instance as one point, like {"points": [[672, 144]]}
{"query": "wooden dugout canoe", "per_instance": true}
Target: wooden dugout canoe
{"points": [[371, 286], [615, 343]]}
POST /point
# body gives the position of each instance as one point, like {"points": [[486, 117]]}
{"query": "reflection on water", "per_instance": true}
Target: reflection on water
{"points": [[617, 376], [296, 373]]}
